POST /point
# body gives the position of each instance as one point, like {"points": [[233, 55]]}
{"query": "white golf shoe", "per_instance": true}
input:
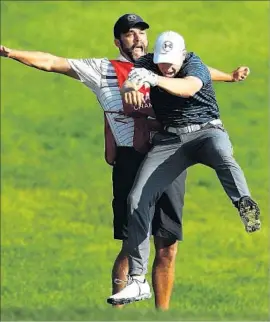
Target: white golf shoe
{"points": [[135, 290]]}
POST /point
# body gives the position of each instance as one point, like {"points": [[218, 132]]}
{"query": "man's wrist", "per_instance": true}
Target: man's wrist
{"points": [[153, 79], [9, 53], [127, 87], [230, 78]]}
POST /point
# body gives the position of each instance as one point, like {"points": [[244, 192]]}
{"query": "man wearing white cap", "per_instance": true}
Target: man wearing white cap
{"points": [[185, 104]]}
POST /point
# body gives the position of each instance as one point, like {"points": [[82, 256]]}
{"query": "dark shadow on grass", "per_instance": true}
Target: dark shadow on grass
{"points": [[110, 314]]}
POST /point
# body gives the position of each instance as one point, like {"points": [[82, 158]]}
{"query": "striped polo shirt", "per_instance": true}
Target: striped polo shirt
{"points": [[100, 77], [175, 111]]}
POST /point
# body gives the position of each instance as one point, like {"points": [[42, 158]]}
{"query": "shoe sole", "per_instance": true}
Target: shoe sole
{"points": [[250, 217], [130, 300]]}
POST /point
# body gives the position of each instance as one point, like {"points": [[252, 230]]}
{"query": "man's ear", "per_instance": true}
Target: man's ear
{"points": [[117, 43]]}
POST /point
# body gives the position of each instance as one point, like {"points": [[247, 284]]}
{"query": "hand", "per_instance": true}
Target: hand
{"points": [[4, 51], [140, 76], [134, 98], [240, 74]]}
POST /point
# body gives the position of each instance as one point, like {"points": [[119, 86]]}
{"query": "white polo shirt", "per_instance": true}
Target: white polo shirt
{"points": [[100, 77]]}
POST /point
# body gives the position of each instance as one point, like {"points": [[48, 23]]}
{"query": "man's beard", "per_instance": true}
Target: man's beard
{"points": [[129, 51]]}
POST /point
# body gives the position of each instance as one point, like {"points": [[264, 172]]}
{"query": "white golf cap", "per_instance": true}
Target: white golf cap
{"points": [[169, 48]]}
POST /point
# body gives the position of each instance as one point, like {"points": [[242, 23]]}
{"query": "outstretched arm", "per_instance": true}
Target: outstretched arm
{"points": [[239, 74], [40, 60], [185, 87], [190, 85]]}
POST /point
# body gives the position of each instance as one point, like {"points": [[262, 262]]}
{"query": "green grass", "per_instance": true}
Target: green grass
{"points": [[57, 246]]}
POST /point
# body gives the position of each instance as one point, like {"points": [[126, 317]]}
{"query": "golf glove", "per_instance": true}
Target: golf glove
{"points": [[139, 76]]}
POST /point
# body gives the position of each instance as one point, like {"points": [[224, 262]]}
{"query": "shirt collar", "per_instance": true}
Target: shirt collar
{"points": [[122, 58]]}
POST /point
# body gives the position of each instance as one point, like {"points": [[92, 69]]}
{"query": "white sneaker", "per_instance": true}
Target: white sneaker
{"points": [[134, 291]]}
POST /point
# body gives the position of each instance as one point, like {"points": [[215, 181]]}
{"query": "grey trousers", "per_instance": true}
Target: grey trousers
{"points": [[169, 157]]}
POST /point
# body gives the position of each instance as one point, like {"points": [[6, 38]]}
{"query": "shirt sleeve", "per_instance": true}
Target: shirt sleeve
{"points": [[89, 71], [197, 68]]}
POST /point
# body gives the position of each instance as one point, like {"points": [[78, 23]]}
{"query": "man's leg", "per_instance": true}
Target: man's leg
{"points": [[163, 164], [161, 167], [120, 271], [215, 150], [167, 230], [163, 271], [124, 171]]}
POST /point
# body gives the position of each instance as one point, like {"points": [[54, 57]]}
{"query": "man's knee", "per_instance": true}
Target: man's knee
{"points": [[221, 158], [166, 249], [135, 201], [167, 253], [222, 148], [132, 201]]}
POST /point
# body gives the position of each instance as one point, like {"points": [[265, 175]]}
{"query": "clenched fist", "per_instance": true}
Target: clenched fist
{"points": [[240, 74], [4, 51]]}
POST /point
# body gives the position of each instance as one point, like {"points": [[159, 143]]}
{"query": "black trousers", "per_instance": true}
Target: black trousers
{"points": [[167, 220]]}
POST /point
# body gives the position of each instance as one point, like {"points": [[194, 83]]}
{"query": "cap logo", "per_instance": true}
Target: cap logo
{"points": [[131, 18], [167, 46]]}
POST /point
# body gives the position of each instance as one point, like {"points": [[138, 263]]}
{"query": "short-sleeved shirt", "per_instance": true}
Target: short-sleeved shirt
{"points": [[100, 77], [172, 110]]}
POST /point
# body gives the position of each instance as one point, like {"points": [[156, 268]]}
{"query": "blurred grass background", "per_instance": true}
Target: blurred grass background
{"points": [[57, 246]]}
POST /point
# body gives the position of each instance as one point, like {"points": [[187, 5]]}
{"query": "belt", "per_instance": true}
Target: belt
{"points": [[191, 128]]}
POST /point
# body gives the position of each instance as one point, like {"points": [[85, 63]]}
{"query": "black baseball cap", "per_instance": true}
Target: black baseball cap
{"points": [[127, 21]]}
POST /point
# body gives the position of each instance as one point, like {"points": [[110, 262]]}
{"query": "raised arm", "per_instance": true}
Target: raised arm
{"points": [[40, 60], [239, 74], [185, 87]]}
